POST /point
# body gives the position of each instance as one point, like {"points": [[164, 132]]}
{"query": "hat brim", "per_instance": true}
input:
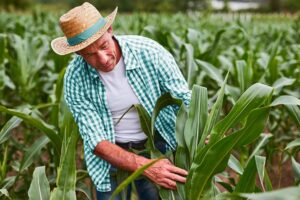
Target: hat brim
{"points": [[61, 46]]}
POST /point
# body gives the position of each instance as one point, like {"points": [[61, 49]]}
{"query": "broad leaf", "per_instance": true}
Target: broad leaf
{"points": [[39, 187]]}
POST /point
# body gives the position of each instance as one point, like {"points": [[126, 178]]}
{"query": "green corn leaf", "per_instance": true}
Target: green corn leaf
{"points": [[214, 113], [182, 161], [272, 66], [32, 152], [291, 103], [286, 100], [260, 162], [8, 126], [233, 93], [84, 189], [211, 71], [39, 187], [67, 124], [225, 185], [282, 82], [180, 126], [211, 51], [241, 67], [66, 175], [190, 65], [4, 192], [3, 43], [196, 119], [253, 97], [294, 111], [296, 170], [207, 165], [261, 143], [38, 123], [4, 162], [124, 114], [235, 164], [226, 63], [166, 194], [131, 178], [145, 121], [163, 101], [9, 182], [293, 144], [290, 193], [25, 71], [59, 85], [267, 181], [55, 115], [182, 154], [248, 178], [156, 34], [192, 36], [244, 73]]}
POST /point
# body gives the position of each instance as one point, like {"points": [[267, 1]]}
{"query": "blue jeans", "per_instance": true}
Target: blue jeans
{"points": [[146, 189]]}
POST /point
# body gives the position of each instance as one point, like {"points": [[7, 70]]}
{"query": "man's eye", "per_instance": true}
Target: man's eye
{"points": [[104, 46]]}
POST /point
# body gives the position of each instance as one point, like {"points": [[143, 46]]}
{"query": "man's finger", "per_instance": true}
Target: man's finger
{"points": [[176, 177], [177, 170], [170, 184]]}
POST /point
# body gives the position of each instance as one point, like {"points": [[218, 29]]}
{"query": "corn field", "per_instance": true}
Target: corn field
{"points": [[244, 73]]}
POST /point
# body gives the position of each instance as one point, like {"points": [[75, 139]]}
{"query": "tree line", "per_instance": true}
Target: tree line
{"points": [[149, 5]]}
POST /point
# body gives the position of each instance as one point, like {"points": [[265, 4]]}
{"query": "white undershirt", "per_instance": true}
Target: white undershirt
{"points": [[120, 98]]}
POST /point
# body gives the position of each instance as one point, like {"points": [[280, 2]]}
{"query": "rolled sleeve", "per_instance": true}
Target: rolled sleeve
{"points": [[90, 127], [84, 112], [170, 77]]}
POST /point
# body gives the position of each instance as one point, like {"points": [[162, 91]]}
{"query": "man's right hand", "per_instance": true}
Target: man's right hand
{"points": [[165, 174]]}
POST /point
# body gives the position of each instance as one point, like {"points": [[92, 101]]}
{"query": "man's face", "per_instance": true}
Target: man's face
{"points": [[103, 54]]}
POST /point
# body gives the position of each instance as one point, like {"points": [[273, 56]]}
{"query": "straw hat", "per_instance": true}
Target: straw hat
{"points": [[82, 26]]}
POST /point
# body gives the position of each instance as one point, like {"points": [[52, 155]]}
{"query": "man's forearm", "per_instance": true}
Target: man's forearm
{"points": [[119, 157], [163, 172]]}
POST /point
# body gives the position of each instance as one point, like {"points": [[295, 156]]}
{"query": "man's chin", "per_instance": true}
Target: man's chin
{"points": [[107, 68]]}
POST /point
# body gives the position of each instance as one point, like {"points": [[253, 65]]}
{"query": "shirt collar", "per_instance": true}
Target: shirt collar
{"points": [[129, 56], [130, 59]]}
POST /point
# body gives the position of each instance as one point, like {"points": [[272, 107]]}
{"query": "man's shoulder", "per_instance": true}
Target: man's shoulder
{"points": [[138, 43], [135, 39], [75, 67]]}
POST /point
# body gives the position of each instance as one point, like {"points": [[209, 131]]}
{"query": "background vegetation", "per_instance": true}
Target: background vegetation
{"points": [[37, 129], [151, 5]]}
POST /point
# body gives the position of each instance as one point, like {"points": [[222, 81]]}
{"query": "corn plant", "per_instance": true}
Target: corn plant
{"points": [[243, 125], [254, 48], [63, 137]]}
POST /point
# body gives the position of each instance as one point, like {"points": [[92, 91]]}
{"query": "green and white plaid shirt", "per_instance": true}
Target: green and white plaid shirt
{"points": [[151, 72]]}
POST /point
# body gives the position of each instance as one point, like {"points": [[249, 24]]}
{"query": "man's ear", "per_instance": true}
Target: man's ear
{"points": [[110, 30]]}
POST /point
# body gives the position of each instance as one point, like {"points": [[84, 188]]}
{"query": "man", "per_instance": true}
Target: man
{"points": [[108, 75]]}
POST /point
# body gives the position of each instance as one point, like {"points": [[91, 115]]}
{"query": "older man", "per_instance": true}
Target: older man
{"points": [[107, 76]]}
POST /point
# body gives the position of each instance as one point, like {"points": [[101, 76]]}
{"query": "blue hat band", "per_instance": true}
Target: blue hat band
{"points": [[87, 33]]}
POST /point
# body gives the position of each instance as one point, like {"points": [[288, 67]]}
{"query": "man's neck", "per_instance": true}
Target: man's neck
{"points": [[118, 50]]}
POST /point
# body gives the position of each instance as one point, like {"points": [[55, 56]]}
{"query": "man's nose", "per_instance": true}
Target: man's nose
{"points": [[102, 57]]}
